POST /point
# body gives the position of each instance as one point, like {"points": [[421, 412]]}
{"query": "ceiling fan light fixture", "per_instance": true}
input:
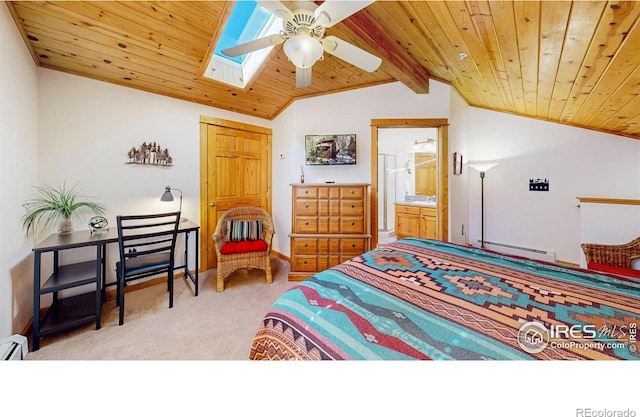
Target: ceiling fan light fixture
{"points": [[303, 50]]}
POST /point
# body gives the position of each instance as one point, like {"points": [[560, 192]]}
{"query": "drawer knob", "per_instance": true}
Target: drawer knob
{"points": [[305, 262], [353, 245], [353, 223], [353, 206], [306, 206], [306, 223], [353, 192], [305, 245], [306, 191]]}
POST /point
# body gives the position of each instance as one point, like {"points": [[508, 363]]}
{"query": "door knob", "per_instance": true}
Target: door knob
{"points": [[212, 204]]}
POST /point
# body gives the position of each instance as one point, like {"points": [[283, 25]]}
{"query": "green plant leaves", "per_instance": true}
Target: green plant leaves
{"points": [[52, 204]]}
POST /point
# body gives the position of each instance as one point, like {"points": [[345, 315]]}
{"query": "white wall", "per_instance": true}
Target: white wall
{"points": [[87, 127], [577, 162], [458, 184], [18, 170], [346, 112]]}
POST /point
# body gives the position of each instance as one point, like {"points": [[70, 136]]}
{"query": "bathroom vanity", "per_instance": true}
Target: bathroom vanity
{"points": [[416, 218]]}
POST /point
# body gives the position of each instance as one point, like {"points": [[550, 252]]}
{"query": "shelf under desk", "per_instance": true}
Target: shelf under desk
{"points": [[69, 312]]}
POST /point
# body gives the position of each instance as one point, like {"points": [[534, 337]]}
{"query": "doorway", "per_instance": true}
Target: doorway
{"points": [[412, 178], [441, 171], [235, 170]]}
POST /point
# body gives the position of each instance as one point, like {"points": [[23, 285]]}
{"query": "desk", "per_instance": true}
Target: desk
{"points": [[69, 312]]}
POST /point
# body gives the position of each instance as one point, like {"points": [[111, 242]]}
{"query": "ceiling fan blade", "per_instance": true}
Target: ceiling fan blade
{"points": [[245, 48], [303, 77], [331, 12], [276, 8], [351, 53]]}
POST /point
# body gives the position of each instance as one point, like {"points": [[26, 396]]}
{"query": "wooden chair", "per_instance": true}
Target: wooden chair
{"points": [[615, 255], [147, 247], [240, 243]]}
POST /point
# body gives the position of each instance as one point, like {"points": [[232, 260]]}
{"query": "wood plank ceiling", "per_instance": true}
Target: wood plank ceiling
{"points": [[572, 62]]}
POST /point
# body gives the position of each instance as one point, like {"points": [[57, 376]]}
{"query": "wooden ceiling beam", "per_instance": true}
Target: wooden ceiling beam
{"points": [[395, 61]]}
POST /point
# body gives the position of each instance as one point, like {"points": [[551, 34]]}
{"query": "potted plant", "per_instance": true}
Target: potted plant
{"points": [[52, 204]]}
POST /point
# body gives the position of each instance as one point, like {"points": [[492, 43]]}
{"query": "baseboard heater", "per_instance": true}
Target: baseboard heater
{"points": [[542, 255], [13, 348]]}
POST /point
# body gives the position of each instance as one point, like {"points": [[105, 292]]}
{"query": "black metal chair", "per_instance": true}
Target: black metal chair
{"points": [[147, 247]]}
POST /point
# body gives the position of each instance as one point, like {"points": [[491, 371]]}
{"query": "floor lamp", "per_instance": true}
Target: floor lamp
{"points": [[482, 167]]}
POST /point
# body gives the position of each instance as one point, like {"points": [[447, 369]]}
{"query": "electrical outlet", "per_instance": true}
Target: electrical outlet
{"points": [[462, 230]]}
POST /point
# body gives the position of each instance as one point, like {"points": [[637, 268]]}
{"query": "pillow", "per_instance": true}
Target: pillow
{"points": [[238, 230]]}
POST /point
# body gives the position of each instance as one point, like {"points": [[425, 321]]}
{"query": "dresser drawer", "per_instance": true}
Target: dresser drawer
{"points": [[306, 192], [305, 246], [354, 225], [353, 246], [306, 225], [351, 208], [428, 211], [305, 264], [352, 192], [404, 209], [306, 207]]}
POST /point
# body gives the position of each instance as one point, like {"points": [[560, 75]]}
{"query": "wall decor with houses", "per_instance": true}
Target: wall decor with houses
{"points": [[538, 184], [150, 154]]}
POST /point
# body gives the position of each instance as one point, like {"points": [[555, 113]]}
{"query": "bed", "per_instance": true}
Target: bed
{"points": [[429, 300]]}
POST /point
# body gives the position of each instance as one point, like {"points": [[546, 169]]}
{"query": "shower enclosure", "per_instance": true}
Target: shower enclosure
{"points": [[386, 191]]}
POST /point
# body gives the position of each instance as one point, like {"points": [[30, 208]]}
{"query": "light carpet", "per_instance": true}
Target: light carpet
{"points": [[212, 326]]}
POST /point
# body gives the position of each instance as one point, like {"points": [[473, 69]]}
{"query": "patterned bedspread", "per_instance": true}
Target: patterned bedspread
{"points": [[425, 299]]}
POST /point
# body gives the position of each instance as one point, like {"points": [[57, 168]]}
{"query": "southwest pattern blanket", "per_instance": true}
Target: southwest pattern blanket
{"points": [[426, 299]]}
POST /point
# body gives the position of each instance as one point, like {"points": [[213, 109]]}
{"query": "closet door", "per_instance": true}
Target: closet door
{"points": [[235, 171]]}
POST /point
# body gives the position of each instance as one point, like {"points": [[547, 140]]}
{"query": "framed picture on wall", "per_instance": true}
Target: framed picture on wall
{"points": [[457, 163], [330, 149]]}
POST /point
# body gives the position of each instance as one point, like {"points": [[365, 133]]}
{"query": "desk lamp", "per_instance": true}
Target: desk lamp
{"points": [[168, 196]]}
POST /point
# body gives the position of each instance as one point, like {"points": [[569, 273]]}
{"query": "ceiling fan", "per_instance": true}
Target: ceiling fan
{"points": [[303, 36]]}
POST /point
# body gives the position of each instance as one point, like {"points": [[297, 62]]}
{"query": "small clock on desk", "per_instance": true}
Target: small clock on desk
{"points": [[98, 223]]}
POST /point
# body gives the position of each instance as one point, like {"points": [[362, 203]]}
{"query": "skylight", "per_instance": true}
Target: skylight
{"points": [[248, 21]]}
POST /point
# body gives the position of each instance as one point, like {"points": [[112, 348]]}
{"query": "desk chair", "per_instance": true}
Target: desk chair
{"points": [[147, 247]]}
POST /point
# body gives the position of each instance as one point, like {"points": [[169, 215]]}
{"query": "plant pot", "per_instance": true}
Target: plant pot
{"points": [[65, 227]]}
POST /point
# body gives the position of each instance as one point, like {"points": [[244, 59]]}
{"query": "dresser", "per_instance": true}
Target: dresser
{"points": [[330, 225]]}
